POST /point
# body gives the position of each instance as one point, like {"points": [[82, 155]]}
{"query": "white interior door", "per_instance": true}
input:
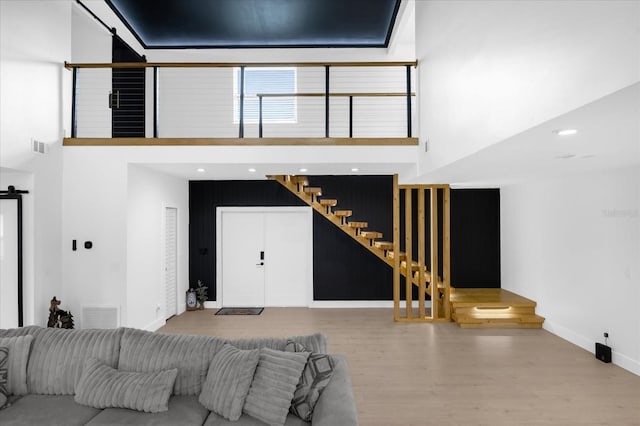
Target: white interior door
{"points": [[284, 237], [287, 254], [171, 260], [8, 263], [242, 269]]}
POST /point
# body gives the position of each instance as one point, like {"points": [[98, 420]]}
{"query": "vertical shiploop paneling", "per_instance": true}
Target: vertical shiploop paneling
{"points": [[170, 260]]}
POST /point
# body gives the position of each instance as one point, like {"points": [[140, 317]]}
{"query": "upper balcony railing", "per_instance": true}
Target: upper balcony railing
{"points": [[339, 103]]}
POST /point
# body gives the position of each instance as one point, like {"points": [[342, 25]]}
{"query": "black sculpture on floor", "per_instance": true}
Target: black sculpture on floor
{"points": [[59, 318]]}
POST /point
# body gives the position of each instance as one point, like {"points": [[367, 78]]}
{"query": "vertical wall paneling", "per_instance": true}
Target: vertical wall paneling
{"points": [[342, 269], [127, 93], [171, 260], [475, 238]]}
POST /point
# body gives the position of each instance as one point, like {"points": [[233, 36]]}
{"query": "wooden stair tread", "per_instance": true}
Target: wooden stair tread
{"points": [[358, 224], [328, 202], [383, 245], [343, 213], [493, 308], [499, 316], [414, 265], [312, 190], [391, 255], [300, 179], [489, 296], [498, 321], [371, 235]]}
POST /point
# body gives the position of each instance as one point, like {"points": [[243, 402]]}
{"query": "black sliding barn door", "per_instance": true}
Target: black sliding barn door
{"points": [[128, 93]]}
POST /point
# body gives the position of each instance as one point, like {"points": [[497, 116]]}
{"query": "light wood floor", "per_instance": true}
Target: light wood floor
{"points": [[422, 374]]}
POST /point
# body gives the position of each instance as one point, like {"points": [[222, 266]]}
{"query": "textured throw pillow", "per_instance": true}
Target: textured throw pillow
{"points": [[315, 378], [4, 361], [273, 385], [17, 363], [228, 380], [101, 386]]}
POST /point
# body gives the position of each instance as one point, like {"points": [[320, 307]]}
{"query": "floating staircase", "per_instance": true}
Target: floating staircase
{"points": [[470, 308], [493, 308], [358, 230]]}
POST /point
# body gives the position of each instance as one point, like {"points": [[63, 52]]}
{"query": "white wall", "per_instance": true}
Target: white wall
{"points": [[149, 193], [91, 42], [573, 245], [491, 69], [35, 41], [94, 209]]}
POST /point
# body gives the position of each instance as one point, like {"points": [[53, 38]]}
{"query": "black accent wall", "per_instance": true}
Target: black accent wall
{"points": [[475, 238], [128, 91], [343, 269]]}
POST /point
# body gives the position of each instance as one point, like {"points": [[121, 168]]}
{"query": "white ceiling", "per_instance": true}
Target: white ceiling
{"points": [[240, 171], [608, 137]]}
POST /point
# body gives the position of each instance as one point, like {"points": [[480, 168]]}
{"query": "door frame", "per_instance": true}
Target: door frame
{"points": [[308, 211], [17, 196]]}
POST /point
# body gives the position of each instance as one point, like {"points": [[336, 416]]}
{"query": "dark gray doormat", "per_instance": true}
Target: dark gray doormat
{"points": [[239, 311]]}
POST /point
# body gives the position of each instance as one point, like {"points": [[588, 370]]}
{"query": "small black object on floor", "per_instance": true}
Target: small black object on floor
{"points": [[603, 352], [240, 311]]}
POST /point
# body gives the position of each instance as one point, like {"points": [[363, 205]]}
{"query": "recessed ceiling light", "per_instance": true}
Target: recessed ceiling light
{"points": [[565, 156], [355, 169], [303, 170], [252, 170], [565, 132], [201, 170]]}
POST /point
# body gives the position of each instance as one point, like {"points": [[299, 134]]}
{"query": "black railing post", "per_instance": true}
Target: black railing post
{"points": [[241, 118], [326, 101], [408, 101], [155, 102], [259, 116], [350, 116], [74, 117]]}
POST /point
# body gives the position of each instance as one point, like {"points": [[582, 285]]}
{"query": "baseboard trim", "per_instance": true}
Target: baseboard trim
{"points": [[155, 325], [621, 360], [346, 304]]}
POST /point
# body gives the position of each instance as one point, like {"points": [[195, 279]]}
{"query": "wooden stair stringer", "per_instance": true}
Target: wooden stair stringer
{"points": [[331, 218], [293, 187]]}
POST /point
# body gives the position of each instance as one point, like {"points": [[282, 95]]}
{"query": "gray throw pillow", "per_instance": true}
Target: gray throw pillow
{"points": [[101, 386], [314, 379], [274, 384], [4, 370], [228, 380], [17, 363]]}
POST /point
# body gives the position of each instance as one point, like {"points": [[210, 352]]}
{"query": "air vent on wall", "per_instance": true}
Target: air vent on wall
{"points": [[100, 317]]}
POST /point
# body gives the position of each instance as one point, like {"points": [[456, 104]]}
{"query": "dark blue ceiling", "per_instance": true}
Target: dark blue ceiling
{"points": [[180, 24]]}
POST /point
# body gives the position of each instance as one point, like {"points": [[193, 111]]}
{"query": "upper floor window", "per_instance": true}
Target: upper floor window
{"points": [[262, 80]]}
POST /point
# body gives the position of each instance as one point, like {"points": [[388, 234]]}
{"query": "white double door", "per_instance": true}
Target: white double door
{"points": [[264, 256]]}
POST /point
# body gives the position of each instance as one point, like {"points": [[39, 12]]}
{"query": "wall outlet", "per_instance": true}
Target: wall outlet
{"points": [[38, 147]]}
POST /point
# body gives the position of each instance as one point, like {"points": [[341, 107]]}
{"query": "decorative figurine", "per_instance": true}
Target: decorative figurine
{"points": [[59, 318]]}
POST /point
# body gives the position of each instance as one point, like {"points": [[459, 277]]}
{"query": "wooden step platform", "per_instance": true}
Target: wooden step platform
{"points": [[328, 203], [493, 308]]}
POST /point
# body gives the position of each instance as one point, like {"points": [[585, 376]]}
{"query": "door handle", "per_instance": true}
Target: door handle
{"points": [[117, 96], [260, 264]]}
